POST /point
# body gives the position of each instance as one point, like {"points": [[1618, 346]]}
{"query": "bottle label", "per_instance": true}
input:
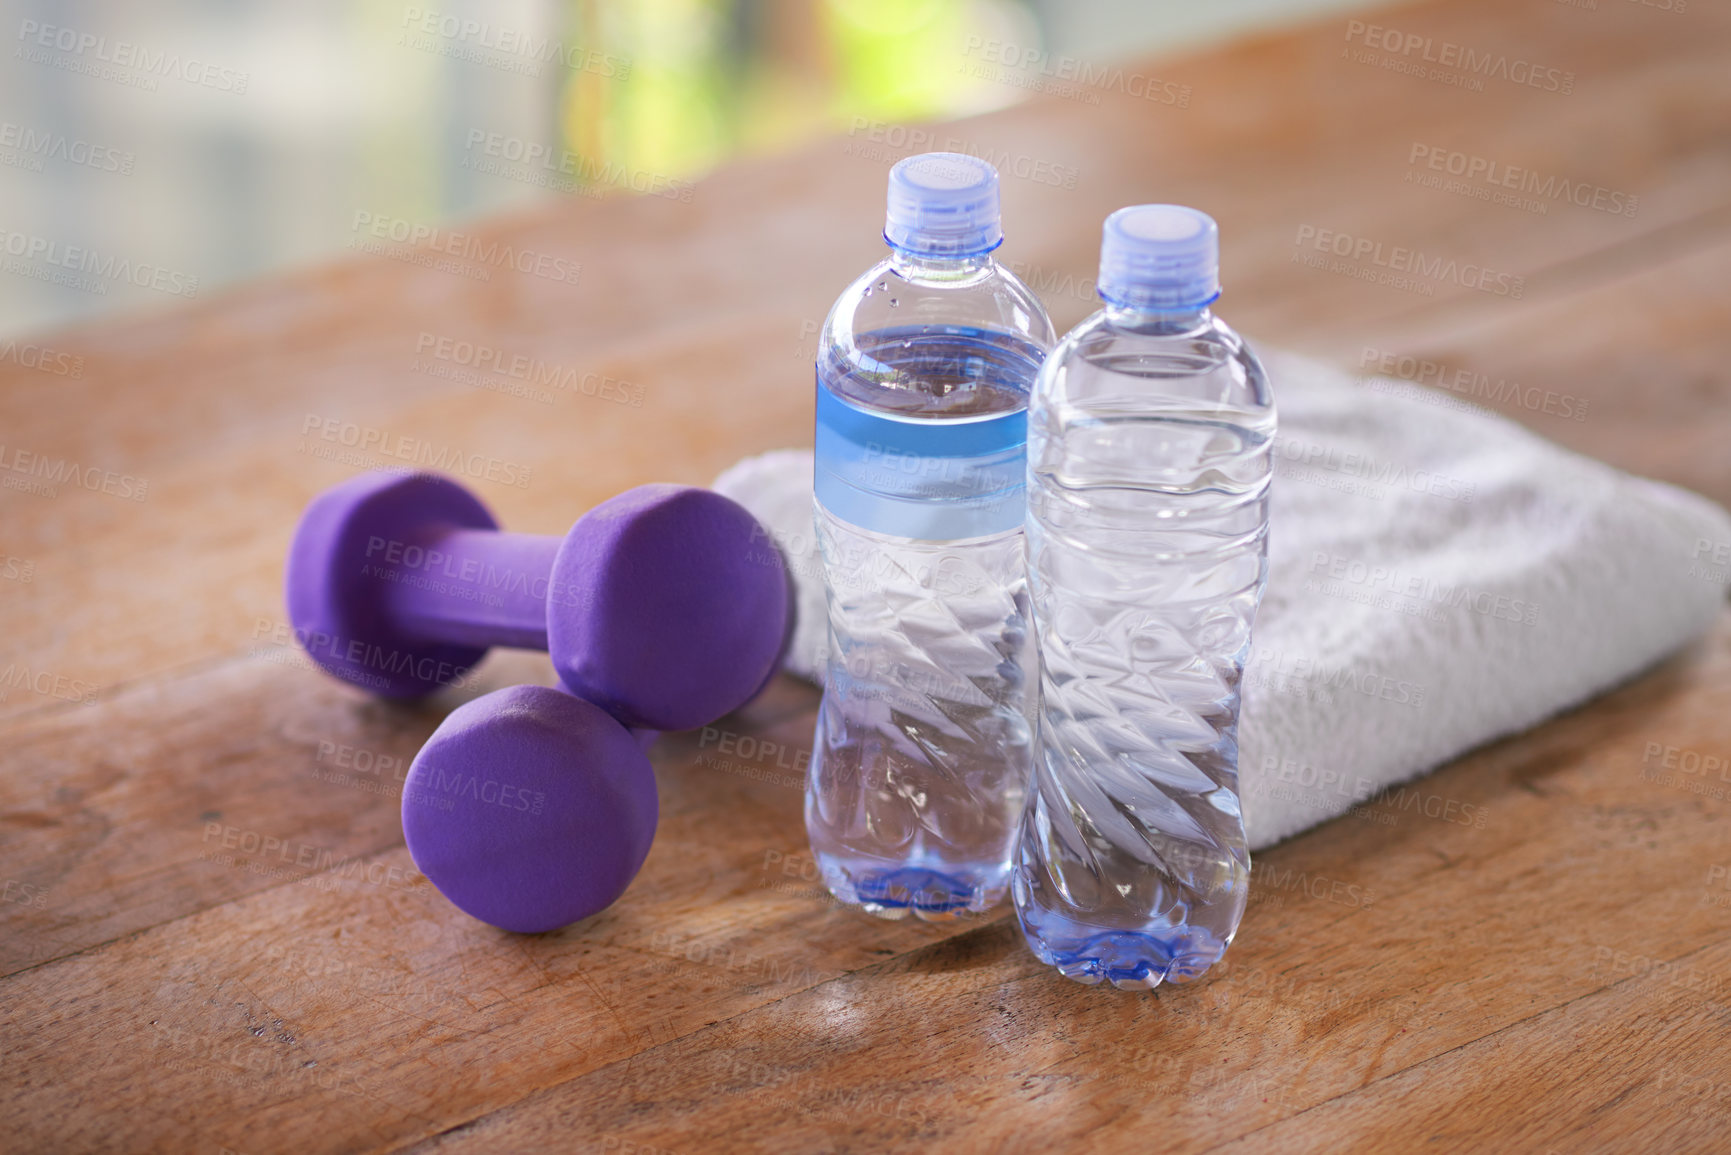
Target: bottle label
{"points": [[911, 477]]}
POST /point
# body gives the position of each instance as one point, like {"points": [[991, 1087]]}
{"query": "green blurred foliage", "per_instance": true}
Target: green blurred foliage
{"points": [[704, 80]]}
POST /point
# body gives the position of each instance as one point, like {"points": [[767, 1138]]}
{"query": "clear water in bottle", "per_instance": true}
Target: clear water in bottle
{"points": [[1149, 437], [924, 739]]}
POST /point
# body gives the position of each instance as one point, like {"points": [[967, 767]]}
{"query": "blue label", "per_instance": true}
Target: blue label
{"points": [[930, 480]]}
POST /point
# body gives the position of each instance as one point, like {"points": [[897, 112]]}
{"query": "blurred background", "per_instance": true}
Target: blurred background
{"points": [[152, 153]]}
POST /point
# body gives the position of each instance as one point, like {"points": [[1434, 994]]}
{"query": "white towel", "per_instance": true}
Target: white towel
{"points": [[1438, 577]]}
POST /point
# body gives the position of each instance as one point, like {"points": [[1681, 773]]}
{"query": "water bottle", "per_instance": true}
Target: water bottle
{"points": [[1148, 474], [924, 742]]}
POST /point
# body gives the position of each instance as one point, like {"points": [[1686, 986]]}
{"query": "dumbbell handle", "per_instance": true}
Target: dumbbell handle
{"points": [[472, 587], [483, 587]]}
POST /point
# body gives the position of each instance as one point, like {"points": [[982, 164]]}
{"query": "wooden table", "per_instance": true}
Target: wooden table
{"points": [[1559, 979]]}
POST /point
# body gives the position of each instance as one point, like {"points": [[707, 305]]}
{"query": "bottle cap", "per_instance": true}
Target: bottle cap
{"points": [[943, 204], [1160, 257]]}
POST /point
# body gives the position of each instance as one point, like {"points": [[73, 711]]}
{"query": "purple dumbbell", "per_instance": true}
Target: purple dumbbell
{"points": [[530, 809], [666, 606]]}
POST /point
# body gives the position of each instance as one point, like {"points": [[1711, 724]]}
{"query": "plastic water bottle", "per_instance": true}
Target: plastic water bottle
{"points": [[924, 743], [1148, 465]]}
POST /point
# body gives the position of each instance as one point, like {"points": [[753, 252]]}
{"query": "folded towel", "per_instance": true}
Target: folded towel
{"points": [[1438, 577]]}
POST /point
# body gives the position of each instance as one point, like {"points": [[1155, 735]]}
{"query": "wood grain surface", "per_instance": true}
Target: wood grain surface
{"points": [[1555, 977]]}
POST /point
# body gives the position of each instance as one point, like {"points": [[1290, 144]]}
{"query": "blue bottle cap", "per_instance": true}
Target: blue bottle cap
{"points": [[1160, 257], [943, 204]]}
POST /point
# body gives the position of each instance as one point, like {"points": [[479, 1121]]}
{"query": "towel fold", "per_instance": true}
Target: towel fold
{"points": [[1438, 577]]}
